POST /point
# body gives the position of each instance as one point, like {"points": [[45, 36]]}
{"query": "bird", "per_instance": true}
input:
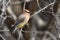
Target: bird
{"points": [[22, 20]]}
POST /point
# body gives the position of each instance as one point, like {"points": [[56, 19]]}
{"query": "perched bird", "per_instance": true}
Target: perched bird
{"points": [[23, 19]]}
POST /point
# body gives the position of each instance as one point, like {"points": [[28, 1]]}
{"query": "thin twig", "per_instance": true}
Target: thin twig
{"points": [[20, 34], [8, 2], [32, 31], [38, 4], [2, 37], [24, 7], [42, 9], [15, 29], [9, 9], [3, 30], [50, 34]]}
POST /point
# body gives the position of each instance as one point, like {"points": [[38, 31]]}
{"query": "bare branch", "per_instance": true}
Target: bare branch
{"points": [[2, 37], [42, 9]]}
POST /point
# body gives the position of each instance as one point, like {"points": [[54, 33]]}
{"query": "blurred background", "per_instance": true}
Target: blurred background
{"points": [[44, 23]]}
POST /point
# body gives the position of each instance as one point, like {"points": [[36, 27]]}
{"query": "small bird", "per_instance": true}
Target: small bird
{"points": [[23, 19]]}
